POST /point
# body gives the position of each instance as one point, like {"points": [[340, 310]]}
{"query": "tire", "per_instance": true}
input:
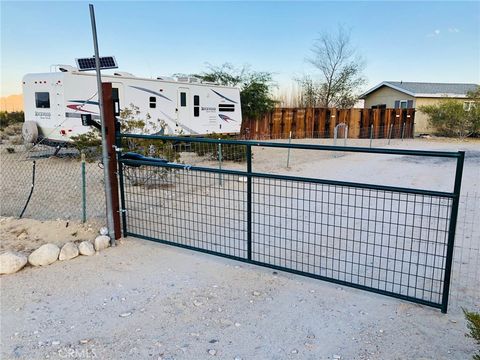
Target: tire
{"points": [[29, 132]]}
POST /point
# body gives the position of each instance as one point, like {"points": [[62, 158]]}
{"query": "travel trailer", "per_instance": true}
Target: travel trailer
{"points": [[55, 101]]}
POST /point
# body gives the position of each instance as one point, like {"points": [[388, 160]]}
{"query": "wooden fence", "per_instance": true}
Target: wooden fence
{"points": [[321, 123]]}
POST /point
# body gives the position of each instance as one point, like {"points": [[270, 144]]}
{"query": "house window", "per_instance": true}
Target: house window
{"points": [[196, 105], [226, 107], [42, 100], [153, 102], [403, 104], [183, 99]]}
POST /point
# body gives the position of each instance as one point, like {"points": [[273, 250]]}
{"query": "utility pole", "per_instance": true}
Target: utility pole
{"points": [[106, 175]]}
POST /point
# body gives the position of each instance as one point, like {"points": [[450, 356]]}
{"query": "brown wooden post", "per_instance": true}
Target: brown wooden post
{"points": [[109, 118], [354, 126]]}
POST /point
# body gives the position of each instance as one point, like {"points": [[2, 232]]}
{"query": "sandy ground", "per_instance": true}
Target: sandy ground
{"points": [[146, 300], [25, 235]]}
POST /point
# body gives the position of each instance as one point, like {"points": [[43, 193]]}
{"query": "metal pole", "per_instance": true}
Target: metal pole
{"points": [[288, 154], [220, 162], [451, 231], [249, 202], [403, 131], [346, 136], [390, 134], [106, 175], [371, 135], [84, 191]]}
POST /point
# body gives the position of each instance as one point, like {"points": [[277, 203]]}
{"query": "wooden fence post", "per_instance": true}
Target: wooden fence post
{"points": [[110, 123]]}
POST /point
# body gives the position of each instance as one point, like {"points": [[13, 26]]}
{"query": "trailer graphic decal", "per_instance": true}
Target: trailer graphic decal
{"points": [[226, 118], [224, 97], [79, 108], [150, 92]]}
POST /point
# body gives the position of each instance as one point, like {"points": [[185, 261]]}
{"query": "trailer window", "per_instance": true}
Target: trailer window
{"points": [[196, 105], [226, 107], [183, 99], [42, 100], [153, 102]]}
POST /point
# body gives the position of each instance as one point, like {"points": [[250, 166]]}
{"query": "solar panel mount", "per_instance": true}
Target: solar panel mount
{"points": [[106, 62]]}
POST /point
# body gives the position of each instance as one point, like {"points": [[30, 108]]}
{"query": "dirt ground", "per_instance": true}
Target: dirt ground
{"points": [[145, 300], [25, 235]]}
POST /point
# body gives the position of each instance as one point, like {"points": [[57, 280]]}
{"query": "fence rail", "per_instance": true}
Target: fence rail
{"points": [[395, 241], [321, 122]]}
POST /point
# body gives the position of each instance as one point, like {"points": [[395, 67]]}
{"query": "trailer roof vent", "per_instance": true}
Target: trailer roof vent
{"points": [[123, 73], [189, 79], [67, 68], [210, 83], [165, 78]]}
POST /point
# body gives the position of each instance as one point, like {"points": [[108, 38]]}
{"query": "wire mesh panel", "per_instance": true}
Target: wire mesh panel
{"points": [[391, 240], [388, 241], [197, 209]]}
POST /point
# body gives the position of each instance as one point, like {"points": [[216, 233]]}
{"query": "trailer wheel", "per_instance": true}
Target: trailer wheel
{"points": [[29, 132]]}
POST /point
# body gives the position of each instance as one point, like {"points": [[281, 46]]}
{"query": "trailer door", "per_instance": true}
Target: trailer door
{"points": [[183, 107], [117, 97]]}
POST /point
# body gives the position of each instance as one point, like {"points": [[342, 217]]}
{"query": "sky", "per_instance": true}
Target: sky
{"points": [[408, 41]]}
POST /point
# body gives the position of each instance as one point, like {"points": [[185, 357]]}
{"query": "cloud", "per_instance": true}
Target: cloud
{"points": [[453, 30], [436, 32]]}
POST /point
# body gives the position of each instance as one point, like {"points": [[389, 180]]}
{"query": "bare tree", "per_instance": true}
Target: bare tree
{"points": [[340, 69]]}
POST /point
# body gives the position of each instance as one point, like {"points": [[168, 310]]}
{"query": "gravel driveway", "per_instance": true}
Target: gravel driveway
{"points": [[143, 300]]}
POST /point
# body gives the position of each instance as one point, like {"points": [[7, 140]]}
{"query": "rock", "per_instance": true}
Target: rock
{"points": [[86, 248], [11, 262], [44, 255], [294, 351], [102, 242], [104, 231], [126, 314], [197, 303], [255, 293], [212, 352], [68, 251]]}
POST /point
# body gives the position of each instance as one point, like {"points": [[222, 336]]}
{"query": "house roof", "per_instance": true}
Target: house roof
{"points": [[423, 89]]}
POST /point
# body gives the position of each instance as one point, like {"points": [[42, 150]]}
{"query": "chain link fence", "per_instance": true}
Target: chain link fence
{"points": [[46, 183]]}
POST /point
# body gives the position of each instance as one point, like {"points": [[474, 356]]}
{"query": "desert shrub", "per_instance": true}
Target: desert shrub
{"points": [[130, 122], [455, 118], [13, 129], [89, 143], [230, 152], [16, 140], [473, 325], [10, 118]]}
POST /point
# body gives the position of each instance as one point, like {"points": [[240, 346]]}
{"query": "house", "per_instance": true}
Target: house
{"points": [[401, 94]]}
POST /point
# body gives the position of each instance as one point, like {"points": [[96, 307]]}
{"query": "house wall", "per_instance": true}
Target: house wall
{"points": [[421, 119], [387, 96]]}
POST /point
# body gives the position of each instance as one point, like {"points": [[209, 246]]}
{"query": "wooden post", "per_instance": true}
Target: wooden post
{"points": [[109, 118]]}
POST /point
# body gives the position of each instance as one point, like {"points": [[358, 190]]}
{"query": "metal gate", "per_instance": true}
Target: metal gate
{"points": [[389, 240]]}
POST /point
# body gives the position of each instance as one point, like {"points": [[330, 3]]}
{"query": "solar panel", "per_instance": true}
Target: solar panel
{"points": [[106, 62]]}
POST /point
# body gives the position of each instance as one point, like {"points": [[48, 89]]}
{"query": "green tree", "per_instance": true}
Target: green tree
{"points": [[455, 118], [254, 87]]}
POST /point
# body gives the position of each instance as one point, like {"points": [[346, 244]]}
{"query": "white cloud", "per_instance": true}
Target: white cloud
{"points": [[436, 32], [453, 30]]}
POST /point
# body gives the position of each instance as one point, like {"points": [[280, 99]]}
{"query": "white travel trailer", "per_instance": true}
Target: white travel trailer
{"points": [[54, 103]]}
